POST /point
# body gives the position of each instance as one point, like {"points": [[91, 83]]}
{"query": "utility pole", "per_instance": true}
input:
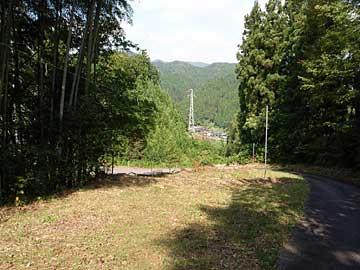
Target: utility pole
{"points": [[266, 137], [191, 111]]}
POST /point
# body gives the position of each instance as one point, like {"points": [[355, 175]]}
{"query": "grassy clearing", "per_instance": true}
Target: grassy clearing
{"points": [[213, 218]]}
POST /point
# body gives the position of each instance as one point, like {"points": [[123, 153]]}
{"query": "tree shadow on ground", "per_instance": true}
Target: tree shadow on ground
{"points": [[100, 182], [105, 181], [246, 234], [122, 181]]}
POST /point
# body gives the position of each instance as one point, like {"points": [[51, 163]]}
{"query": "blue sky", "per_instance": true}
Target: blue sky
{"points": [[191, 30]]}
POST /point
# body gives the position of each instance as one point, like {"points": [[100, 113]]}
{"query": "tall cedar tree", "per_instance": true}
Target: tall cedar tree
{"points": [[302, 59]]}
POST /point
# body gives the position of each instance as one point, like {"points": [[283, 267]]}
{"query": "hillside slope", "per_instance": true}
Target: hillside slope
{"points": [[215, 87]]}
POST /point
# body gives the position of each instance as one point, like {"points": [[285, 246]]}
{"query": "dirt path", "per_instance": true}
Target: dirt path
{"points": [[329, 235]]}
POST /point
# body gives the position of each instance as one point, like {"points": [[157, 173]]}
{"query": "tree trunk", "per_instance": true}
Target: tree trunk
{"points": [[63, 83], [67, 56], [41, 73], [76, 80], [95, 43], [41, 94], [4, 74], [91, 46], [17, 99], [4, 49], [4, 131], [55, 69]]}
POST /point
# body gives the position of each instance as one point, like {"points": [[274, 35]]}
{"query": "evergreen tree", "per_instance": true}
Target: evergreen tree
{"points": [[302, 59], [259, 68]]}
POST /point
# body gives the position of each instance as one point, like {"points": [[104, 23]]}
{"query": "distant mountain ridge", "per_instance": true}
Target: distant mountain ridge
{"points": [[195, 64], [215, 88]]}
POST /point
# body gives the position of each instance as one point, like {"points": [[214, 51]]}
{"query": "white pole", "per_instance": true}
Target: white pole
{"points": [[253, 152], [191, 111], [266, 137], [189, 126]]}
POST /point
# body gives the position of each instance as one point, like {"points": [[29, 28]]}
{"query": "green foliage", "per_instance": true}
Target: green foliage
{"points": [[207, 152], [167, 141], [143, 126], [301, 59], [69, 94]]}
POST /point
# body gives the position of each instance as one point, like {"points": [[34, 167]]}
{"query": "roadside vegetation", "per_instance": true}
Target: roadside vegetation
{"points": [[190, 153], [339, 174], [301, 58], [210, 218]]}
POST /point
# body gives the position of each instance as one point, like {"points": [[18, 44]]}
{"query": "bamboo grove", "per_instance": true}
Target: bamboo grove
{"points": [[302, 58], [69, 96]]}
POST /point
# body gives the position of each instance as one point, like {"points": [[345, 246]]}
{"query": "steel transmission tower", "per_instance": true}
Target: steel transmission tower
{"points": [[191, 111]]}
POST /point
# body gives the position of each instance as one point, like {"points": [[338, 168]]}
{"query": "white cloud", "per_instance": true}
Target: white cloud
{"points": [[188, 6], [202, 30]]}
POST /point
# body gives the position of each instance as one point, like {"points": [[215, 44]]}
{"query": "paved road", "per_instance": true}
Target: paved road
{"points": [[143, 171], [329, 235]]}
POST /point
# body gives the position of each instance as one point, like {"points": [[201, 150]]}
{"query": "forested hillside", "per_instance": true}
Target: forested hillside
{"points": [[215, 88], [301, 59]]}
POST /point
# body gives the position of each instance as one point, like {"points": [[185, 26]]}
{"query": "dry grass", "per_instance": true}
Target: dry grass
{"points": [[212, 218]]}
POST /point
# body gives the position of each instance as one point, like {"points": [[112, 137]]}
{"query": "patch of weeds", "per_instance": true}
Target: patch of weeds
{"points": [[20, 235], [50, 218]]}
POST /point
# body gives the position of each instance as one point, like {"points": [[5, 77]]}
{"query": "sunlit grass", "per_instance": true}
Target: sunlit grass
{"points": [[208, 219], [260, 173]]}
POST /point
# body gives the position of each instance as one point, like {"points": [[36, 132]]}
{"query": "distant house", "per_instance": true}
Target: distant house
{"points": [[203, 133]]}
